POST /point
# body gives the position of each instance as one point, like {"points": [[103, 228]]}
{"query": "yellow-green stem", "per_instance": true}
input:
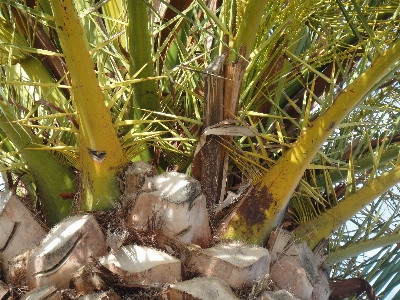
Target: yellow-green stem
{"points": [[140, 49], [101, 155], [281, 180], [248, 28], [52, 179], [362, 247], [323, 226]]}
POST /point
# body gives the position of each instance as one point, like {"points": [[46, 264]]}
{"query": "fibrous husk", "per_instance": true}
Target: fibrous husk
{"points": [[278, 295], [18, 228], [67, 247], [17, 268], [143, 266], [176, 202], [43, 293], [209, 288], [236, 264], [135, 178], [4, 289], [108, 295]]}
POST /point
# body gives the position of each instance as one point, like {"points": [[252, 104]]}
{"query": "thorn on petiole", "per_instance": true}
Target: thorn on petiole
{"points": [[98, 156]]}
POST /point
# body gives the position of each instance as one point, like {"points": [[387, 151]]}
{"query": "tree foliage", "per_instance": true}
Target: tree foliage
{"points": [[88, 86]]}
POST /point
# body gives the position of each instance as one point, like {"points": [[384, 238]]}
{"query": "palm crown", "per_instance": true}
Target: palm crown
{"points": [[87, 87]]}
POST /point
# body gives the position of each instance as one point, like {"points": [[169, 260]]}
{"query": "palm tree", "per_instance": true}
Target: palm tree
{"points": [[87, 87]]}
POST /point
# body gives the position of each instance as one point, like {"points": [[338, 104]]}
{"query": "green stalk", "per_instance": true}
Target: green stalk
{"points": [[140, 50], [363, 164], [361, 247], [281, 180], [37, 72], [51, 177], [323, 226], [101, 155], [115, 10], [172, 55], [248, 28]]}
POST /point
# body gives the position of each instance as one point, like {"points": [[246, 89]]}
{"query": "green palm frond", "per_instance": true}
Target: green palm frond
{"points": [[375, 226], [300, 57]]}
